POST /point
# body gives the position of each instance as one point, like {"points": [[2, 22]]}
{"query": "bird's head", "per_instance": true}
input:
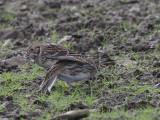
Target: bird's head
{"points": [[33, 51]]}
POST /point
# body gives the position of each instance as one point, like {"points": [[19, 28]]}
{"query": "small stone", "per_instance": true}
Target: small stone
{"points": [[53, 4], [65, 38], [24, 7], [157, 86], [7, 42], [73, 115]]}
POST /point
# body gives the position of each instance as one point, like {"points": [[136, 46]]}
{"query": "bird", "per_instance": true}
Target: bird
{"points": [[62, 63], [45, 55]]}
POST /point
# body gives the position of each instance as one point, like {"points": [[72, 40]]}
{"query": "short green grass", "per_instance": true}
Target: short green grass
{"points": [[5, 26], [140, 114], [54, 36], [13, 84], [8, 17]]}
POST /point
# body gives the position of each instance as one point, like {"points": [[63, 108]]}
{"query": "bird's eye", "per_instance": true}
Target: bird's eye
{"points": [[32, 49]]}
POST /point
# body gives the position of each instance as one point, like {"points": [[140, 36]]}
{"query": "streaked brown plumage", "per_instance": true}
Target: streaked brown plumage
{"points": [[45, 55], [64, 64]]}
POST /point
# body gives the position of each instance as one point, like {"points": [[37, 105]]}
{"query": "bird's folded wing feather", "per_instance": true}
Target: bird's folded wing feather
{"points": [[77, 58], [50, 78], [57, 50]]}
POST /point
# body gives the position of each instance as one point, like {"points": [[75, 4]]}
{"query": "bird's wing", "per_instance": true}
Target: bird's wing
{"points": [[57, 50], [50, 78], [81, 59], [77, 58]]}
